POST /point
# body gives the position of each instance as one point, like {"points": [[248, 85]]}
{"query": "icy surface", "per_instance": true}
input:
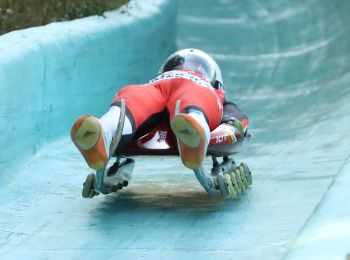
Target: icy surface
{"points": [[286, 64]]}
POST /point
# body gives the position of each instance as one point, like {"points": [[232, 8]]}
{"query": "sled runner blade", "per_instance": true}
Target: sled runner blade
{"points": [[205, 181]]}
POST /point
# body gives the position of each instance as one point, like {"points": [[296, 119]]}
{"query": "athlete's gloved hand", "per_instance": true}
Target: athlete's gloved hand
{"points": [[236, 124]]}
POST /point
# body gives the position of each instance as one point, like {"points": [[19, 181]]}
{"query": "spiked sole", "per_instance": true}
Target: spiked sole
{"points": [[191, 140]]}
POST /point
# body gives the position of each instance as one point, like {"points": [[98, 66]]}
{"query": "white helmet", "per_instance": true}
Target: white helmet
{"points": [[196, 61]]}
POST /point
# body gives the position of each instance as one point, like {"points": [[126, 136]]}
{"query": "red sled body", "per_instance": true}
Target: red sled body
{"points": [[161, 141]]}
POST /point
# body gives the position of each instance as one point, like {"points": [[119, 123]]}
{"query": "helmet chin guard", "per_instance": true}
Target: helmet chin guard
{"points": [[196, 61]]}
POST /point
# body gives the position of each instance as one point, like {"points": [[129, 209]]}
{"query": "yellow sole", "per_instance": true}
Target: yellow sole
{"points": [[185, 131], [191, 140], [88, 134]]}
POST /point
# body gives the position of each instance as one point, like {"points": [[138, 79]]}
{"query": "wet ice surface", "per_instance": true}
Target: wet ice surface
{"points": [[293, 86], [163, 212]]}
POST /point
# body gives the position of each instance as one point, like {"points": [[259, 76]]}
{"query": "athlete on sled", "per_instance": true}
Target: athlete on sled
{"points": [[187, 97]]}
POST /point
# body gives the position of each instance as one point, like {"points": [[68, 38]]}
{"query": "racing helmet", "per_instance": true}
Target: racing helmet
{"points": [[196, 61]]}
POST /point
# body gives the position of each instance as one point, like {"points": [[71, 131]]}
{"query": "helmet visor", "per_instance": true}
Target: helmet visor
{"points": [[193, 63]]}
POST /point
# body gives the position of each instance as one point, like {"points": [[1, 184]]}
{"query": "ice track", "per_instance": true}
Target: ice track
{"points": [[287, 65]]}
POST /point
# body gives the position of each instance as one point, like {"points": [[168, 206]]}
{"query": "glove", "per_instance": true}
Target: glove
{"points": [[237, 125]]}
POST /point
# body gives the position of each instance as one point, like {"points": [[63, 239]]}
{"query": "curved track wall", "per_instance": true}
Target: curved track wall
{"points": [[285, 63], [50, 75]]}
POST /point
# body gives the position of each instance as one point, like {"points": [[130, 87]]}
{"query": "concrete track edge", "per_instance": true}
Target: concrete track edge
{"points": [[49, 74]]}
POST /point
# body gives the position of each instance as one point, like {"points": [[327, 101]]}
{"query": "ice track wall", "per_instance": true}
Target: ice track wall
{"points": [[286, 63], [50, 75]]}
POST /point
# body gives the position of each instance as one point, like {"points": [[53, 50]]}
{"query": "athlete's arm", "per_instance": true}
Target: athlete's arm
{"points": [[233, 115]]}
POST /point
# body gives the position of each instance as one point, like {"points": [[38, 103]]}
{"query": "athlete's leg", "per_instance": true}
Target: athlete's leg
{"points": [[142, 101], [200, 111], [93, 136], [193, 96]]}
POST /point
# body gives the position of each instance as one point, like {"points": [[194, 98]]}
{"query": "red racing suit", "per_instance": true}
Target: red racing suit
{"points": [[161, 94]]}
